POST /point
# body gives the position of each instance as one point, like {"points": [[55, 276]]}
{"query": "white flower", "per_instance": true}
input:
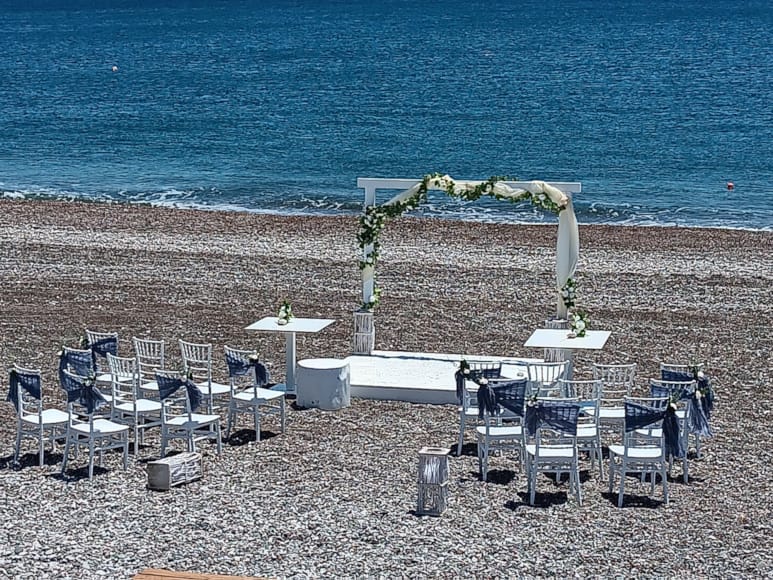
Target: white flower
{"points": [[700, 374], [698, 394], [672, 406], [466, 371], [281, 321], [372, 299], [483, 381], [580, 325]]}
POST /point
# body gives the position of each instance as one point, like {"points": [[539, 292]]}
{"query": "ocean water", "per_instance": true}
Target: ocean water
{"points": [[280, 105]]}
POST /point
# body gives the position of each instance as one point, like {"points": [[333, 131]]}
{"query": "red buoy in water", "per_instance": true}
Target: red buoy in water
{"points": [[730, 185]]}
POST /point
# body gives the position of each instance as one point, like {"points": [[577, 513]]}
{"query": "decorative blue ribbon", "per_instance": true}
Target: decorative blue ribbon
{"points": [[239, 366], [102, 347], [704, 385], [81, 392], [639, 416], [167, 386], [553, 415], [509, 395], [27, 381], [79, 363], [698, 417]]}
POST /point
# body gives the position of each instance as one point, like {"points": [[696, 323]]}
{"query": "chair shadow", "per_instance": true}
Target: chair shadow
{"points": [[27, 460], [468, 450], [78, 473], [497, 476], [245, 436], [633, 501], [542, 499]]}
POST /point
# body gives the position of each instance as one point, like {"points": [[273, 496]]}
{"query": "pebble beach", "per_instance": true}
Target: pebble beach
{"points": [[334, 496]]}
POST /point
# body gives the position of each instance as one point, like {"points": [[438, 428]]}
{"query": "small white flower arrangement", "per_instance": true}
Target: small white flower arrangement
{"points": [[569, 293], [579, 323], [285, 313]]}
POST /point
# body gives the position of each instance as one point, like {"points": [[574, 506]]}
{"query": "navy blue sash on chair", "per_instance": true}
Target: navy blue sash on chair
{"points": [[82, 391], [239, 366], [167, 386], [27, 381]]}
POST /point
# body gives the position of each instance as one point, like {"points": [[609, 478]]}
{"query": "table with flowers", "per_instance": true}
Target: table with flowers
{"points": [[565, 338], [290, 328]]}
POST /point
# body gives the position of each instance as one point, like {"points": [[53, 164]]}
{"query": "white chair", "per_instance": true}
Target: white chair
{"points": [[248, 377], [544, 376], [100, 344], [617, 381], [497, 401], [643, 450], [179, 419], [197, 364], [96, 434], [33, 421], [80, 362], [588, 394], [127, 407], [150, 355], [679, 394], [699, 426], [552, 447], [466, 390]]}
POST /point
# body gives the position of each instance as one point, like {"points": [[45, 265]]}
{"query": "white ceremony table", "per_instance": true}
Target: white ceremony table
{"points": [[559, 338], [307, 325]]}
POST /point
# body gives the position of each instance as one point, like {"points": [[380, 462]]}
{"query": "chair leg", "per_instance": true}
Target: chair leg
{"points": [[126, 449], [230, 421], [622, 484], [66, 453], [91, 459], [40, 448], [665, 484], [282, 413], [219, 439], [256, 421], [460, 444]]}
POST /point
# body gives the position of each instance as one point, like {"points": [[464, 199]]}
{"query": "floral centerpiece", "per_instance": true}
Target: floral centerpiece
{"points": [[569, 293], [579, 321], [285, 313]]}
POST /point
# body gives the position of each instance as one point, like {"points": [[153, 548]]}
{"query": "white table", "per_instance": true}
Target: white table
{"points": [[559, 338], [307, 325]]}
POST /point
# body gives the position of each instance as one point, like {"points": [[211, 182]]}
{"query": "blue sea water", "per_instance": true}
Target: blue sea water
{"points": [[279, 105]]}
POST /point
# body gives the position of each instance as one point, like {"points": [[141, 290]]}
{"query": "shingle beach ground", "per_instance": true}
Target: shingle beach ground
{"points": [[333, 497]]}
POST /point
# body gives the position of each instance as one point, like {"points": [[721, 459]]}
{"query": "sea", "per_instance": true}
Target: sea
{"points": [[661, 109]]}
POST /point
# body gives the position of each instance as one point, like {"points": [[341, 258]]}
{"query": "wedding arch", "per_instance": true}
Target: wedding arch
{"points": [[554, 197]]}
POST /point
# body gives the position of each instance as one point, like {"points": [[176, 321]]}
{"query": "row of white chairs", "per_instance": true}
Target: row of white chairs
{"points": [[602, 401], [105, 402]]}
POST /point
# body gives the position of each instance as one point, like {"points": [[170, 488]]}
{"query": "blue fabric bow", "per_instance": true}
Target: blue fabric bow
{"points": [[639, 416], [167, 386], [79, 363], [102, 347], [238, 366], [83, 392], [553, 415], [28, 382], [700, 406]]}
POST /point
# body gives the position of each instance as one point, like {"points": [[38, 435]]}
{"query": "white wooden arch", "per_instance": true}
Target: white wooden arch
{"points": [[567, 245]]}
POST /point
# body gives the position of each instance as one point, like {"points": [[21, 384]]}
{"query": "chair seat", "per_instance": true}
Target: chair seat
{"points": [[636, 452], [509, 432], [587, 431], [214, 388], [196, 419], [139, 406], [610, 413], [551, 452], [149, 386], [101, 427], [249, 396], [49, 417], [469, 412]]}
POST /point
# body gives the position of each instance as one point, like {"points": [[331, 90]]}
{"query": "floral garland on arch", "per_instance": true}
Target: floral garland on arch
{"points": [[373, 221]]}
